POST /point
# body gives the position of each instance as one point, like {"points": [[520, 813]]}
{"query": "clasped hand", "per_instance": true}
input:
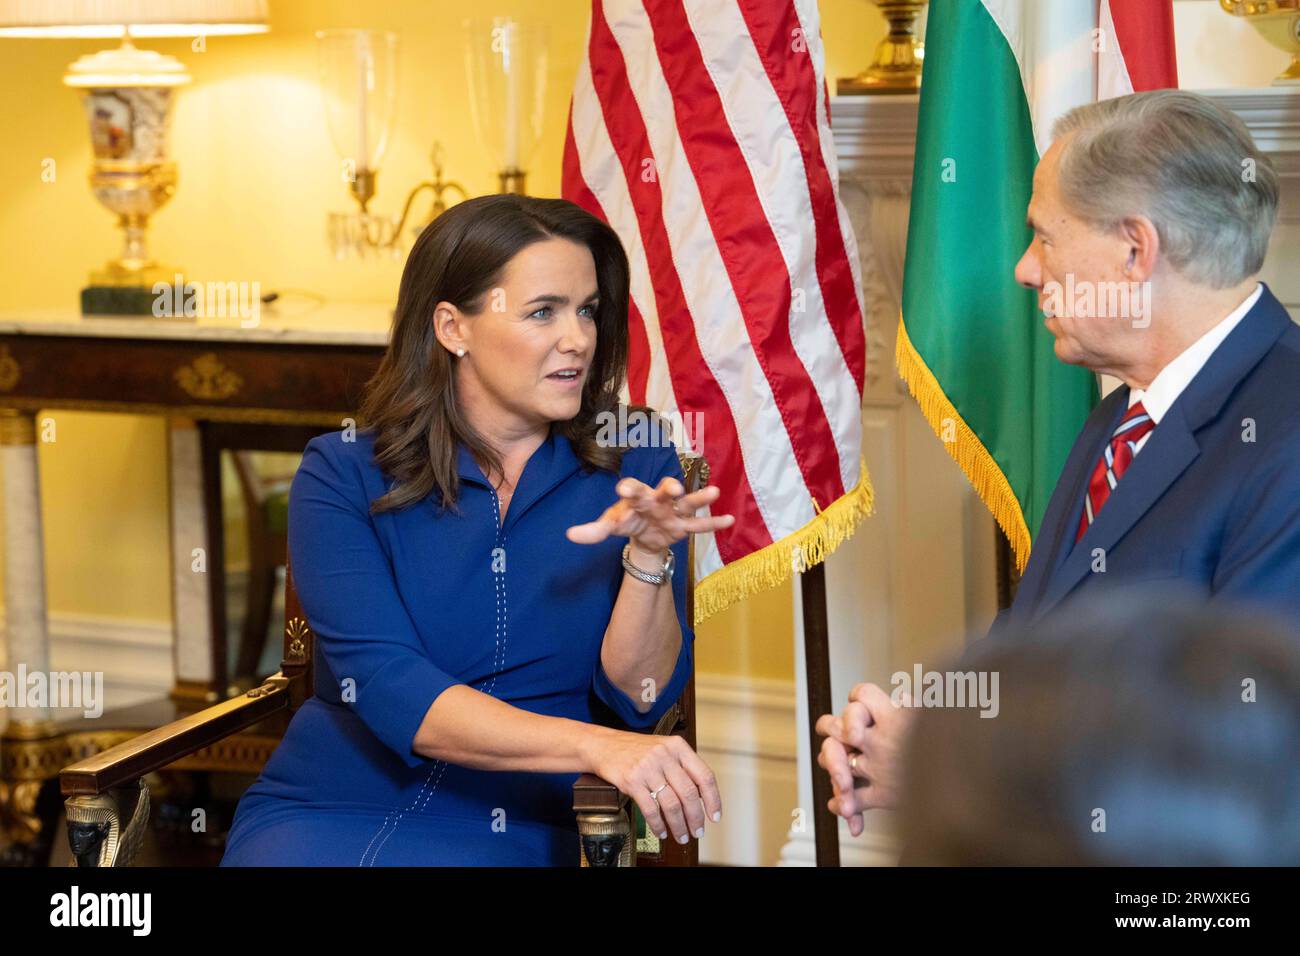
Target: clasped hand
{"points": [[862, 752]]}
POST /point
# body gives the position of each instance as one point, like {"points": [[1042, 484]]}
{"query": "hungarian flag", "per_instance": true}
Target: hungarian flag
{"points": [[972, 346], [700, 131]]}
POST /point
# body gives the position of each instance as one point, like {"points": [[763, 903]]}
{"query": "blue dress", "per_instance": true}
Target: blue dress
{"points": [[406, 604]]}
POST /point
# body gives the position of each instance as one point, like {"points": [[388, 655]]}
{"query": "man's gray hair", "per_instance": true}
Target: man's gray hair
{"points": [[1187, 164]]}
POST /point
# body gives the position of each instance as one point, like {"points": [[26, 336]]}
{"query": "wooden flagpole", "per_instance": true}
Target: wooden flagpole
{"points": [[817, 669]]}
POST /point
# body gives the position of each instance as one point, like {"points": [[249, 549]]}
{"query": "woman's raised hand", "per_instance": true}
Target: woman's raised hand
{"points": [[653, 518], [685, 790]]}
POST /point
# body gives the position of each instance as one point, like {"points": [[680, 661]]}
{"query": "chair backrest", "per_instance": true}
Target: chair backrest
{"points": [[299, 643], [249, 480], [695, 471]]}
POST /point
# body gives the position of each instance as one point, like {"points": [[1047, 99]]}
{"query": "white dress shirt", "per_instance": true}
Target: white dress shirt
{"points": [[1178, 374]]}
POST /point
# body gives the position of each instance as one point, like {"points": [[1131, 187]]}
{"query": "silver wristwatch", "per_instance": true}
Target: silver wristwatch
{"points": [[663, 577]]}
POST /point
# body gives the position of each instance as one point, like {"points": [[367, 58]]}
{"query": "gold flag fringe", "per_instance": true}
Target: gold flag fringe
{"points": [[798, 551], [967, 450]]}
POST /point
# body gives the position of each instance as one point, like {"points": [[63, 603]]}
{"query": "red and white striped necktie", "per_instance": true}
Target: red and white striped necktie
{"points": [[1114, 461]]}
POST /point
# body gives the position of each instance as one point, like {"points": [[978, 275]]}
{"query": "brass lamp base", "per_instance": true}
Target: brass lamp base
{"points": [[125, 286], [899, 56], [121, 274], [99, 300]]}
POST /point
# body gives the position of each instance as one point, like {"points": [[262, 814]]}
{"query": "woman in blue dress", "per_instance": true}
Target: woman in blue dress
{"points": [[488, 568]]}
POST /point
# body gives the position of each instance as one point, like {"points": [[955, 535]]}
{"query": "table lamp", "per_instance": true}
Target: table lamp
{"points": [[127, 93]]}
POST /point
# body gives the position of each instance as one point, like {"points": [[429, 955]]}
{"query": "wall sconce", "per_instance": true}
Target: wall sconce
{"points": [[505, 59], [358, 80]]}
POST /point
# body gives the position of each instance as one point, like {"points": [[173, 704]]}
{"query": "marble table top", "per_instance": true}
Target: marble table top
{"points": [[329, 323]]}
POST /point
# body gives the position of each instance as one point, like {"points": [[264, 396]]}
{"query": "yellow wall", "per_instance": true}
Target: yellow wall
{"points": [[257, 174]]}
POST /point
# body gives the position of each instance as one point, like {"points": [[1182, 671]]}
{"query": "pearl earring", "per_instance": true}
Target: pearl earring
{"points": [[460, 352]]}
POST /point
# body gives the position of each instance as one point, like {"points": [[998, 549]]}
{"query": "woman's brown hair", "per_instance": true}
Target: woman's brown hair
{"points": [[411, 403]]}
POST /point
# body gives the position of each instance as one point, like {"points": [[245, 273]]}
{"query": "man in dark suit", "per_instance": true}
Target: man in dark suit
{"points": [[1159, 207]]}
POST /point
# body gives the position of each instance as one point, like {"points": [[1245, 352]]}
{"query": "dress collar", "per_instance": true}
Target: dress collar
{"points": [[553, 461]]}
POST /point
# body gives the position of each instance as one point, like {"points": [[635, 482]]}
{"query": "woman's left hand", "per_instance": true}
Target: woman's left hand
{"points": [[653, 518]]}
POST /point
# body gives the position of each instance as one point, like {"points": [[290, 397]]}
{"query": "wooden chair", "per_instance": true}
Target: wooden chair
{"points": [[266, 509], [107, 800]]}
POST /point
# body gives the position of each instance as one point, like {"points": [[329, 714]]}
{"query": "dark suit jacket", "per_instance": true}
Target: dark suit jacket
{"points": [[1212, 499]]}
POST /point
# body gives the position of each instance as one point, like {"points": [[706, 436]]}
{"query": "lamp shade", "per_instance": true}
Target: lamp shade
{"points": [[144, 18]]}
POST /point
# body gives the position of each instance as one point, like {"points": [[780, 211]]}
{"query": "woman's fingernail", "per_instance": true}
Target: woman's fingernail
{"points": [[683, 838], [717, 815], [664, 835], [699, 833]]}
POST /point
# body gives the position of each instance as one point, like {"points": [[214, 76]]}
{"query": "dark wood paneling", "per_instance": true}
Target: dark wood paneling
{"points": [[274, 376]]}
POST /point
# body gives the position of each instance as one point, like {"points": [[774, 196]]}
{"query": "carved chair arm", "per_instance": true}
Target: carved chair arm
{"points": [[122, 765], [605, 813], [107, 803]]}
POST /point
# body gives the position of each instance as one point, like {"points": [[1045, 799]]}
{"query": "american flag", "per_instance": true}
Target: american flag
{"points": [[700, 131]]}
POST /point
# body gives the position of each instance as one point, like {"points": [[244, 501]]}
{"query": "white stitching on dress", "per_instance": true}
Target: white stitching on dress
{"points": [[498, 655]]}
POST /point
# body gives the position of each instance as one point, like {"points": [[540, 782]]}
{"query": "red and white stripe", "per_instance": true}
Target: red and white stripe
{"points": [[1071, 52], [699, 130], [1142, 56]]}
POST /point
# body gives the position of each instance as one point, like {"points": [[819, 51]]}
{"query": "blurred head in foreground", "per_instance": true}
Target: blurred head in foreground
{"points": [[1151, 731]]}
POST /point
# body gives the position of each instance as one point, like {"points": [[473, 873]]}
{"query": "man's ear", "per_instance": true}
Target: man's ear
{"points": [[1142, 241]]}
